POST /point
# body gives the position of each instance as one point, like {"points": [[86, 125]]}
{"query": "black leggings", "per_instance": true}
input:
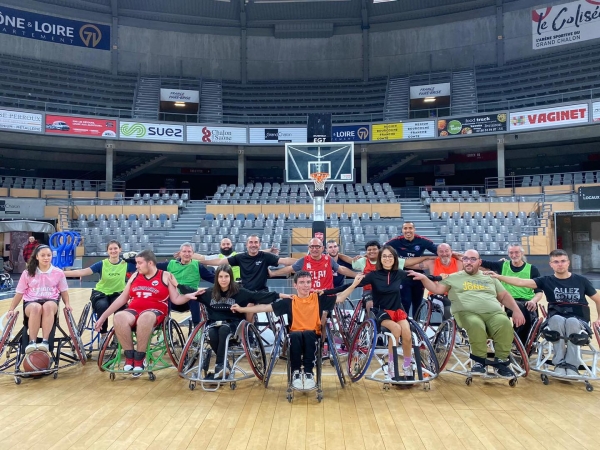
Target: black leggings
{"points": [[101, 302], [217, 336], [303, 348], [523, 330], [192, 306], [412, 294]]}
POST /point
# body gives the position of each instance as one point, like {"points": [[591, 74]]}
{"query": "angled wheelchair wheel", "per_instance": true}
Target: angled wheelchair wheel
{"points": [[427, 356], [533, 335], [277, 346], [423, 315], [334, 355], [7, 331], [174, 340], [76, 342], [362, 349], [519, 358], [109, 354], [443, 342], [254, 349], [83, 319], [191, 350]]}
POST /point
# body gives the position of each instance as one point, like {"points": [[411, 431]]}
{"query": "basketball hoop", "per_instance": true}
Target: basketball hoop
{"points": [[319, 178]]}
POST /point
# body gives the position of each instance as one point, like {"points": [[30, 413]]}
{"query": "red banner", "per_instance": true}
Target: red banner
{"points": [[81, 126]]}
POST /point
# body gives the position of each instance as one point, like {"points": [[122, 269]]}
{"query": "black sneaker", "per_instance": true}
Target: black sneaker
{"points": [[477, 369], [503, 371]]}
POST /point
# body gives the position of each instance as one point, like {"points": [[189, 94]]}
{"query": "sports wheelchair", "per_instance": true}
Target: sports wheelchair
{"points": [[165, 341], [65, 349], [540, 346], [244, 343], [6, 282]]}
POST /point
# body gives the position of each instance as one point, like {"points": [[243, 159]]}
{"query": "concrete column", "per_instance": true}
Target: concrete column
{"points": [[501, 161], [110, 156], [363, 165], [241, 166]]}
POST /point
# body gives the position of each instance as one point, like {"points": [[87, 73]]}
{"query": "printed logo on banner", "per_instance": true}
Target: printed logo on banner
{"points": [[549, 117], [596, 112], [348, 133], [151, 131], [471, 125], [210, 134], [20, 121], [43, 27], [136, 130], [81, 126]]}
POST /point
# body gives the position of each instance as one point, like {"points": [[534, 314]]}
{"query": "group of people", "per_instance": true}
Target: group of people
{"points": [[392, 276]]}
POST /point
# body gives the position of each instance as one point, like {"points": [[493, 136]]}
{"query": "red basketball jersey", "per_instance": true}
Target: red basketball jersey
{"points": [[369, 267], [320, 271], [149, 289]]}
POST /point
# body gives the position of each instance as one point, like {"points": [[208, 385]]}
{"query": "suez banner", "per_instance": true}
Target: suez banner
{"points": [[81, 126], [565, 24], [277, 135], [142, 131], [348, 133], [596, 112], [20, 121], [402, 130], [549, 117], [491, 123], [42, 27], [216, 135]]}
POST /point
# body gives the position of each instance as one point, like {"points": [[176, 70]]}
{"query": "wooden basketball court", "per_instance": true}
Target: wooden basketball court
{"points": [[83, 409]]}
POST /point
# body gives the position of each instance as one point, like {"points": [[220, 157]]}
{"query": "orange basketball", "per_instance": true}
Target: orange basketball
{"points": [[37, 360]]}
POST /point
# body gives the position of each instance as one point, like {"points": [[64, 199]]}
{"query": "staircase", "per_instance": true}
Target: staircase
{"points": [[147, 98], [393, 168], [211, 102], [464, 92], [183, 230], [397, 99], [141, 168], [413, 211], [64, 212]]}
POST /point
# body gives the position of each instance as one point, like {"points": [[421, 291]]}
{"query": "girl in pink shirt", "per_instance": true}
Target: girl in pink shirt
{"points": [[40, 288]]}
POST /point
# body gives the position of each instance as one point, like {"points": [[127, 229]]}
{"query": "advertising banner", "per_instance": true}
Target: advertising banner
{"points": [[151, 131], [179, 95], [491, 123], [17, 208], [565, 24], [402, 130], [81, 126], [430, 90], [549, 117], [20, 121], [319, 127], [349, 133], [54, 29], [216, 135], [596, 112], [277, 135], [419, 130], [589, 197]]}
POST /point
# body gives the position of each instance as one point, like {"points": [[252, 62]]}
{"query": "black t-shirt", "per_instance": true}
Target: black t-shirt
{"points": [[409, 249], [338, 278], [567, 296], [386, 288], [284, 306], [496, 266], [254, 270], [222, 310]]}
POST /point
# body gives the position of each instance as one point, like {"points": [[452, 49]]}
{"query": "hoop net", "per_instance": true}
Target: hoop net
{"points": [[319, 178]]}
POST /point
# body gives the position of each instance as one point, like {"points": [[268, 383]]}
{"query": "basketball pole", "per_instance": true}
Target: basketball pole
{"points": [[319, 230]]}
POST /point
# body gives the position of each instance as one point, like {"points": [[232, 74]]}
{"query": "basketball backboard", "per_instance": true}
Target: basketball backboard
{"points": [[335, 158]]}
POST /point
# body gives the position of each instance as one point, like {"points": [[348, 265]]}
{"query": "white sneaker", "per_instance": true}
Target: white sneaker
{"points": [[408, 371], [309, 381], [32, 346], [43, 346], [571, 371], [137, 370], [297, 382], [560, 371]]}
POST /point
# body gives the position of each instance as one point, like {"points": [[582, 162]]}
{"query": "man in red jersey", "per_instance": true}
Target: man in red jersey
{"points": [[149, 290], [319, 265]]}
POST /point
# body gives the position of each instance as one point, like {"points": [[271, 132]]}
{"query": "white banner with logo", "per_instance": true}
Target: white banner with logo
{"points": [[419, 130], [549, 117], [596, 112], [216, 135], [277, 135], [179, 95], [565, 24], [430, 90], [141, 131], [20, 121]]}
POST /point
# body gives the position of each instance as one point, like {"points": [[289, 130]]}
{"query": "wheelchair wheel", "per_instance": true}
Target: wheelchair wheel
{"points": [[108, 353], [518, 357], [443, 342], [7, 331], [76, 342], [362, 349], [334, 356], [427, 356], [191, 350], [174, 340], [254, 349], [423, 315], [83, 319], [277, 346], [533, 335]]}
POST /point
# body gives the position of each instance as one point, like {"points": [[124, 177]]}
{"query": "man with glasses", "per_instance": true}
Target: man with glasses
{"points": [[568, 309], [526, 298], [319, 265], [476, 305]]}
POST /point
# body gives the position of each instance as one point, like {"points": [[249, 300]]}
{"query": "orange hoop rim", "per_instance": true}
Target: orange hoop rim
{"points": [[319, 177]]}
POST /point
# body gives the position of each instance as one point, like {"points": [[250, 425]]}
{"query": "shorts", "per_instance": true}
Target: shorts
{"points": [[387, 314], [41, 302], [138, 306]]}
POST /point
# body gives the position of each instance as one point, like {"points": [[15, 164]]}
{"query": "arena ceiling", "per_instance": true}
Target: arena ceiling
{"points": [[260, 13]]}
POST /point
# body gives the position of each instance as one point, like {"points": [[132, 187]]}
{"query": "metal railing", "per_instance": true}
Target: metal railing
{"points": [[516, 181]]}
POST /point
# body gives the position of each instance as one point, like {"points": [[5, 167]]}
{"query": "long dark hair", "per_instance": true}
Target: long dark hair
{"points": [[217, 294], [394, 254], [33, 263]]}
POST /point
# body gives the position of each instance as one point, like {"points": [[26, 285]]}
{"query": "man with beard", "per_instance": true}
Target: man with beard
{"points": [[227, 251], [525, 297], [476, 305], [333, 250]]}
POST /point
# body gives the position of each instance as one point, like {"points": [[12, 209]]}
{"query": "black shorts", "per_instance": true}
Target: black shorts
{"points": [[41, 302]]}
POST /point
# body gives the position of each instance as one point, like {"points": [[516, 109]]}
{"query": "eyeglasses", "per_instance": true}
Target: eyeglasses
{"points": [[387, 256], [315, 246], [467, 259], [562, 261]]}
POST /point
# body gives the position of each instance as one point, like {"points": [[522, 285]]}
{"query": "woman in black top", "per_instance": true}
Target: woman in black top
{"points": [[218, 301]]}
